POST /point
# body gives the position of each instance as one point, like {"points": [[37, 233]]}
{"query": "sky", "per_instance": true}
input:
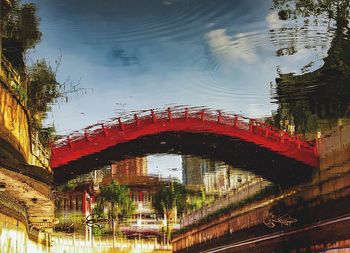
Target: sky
{"points": [[137, 54], [165, 166]]}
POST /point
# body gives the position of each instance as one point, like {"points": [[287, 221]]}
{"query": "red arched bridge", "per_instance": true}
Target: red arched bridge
{"points": [[94, 140]]}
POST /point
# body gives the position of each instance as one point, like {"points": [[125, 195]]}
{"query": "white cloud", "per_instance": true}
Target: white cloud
{"points": [[273, 20], [229, 49]]}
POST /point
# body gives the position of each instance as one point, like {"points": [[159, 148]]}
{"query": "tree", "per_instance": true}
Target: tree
{"points": [[337, 11], [43, 88], [333, 9], [42, 92], [20, 32], [119, 197], [170, 200], [315, 100]]}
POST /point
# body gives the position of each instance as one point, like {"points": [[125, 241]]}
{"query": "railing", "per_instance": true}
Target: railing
{"points": [[40, 155], [142, 118], [233, 197], [249, 129], [9, 73], [14, 119]]}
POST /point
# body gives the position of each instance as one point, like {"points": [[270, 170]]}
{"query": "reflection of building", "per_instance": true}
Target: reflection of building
{"points": [[225, 178], [194, 169], [128, 169], [215, 177], [133, 173], [79, 197], [216, 180]]}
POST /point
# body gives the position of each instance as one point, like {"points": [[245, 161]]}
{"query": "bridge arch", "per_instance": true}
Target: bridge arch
{"points": [[236, 140]]}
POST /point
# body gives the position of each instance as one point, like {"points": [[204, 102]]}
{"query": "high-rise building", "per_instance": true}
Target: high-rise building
{"points": [[129, 170]]}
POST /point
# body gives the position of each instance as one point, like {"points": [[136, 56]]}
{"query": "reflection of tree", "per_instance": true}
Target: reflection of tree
{"points": [[119, 198], [38, 87], [323, 94], [20, 32], [170, 200]]}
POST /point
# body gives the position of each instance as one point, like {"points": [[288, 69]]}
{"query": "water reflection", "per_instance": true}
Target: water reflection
{"points": [[317, 99], [85, 204], [188, 51], [211, 176], [195, 51]]}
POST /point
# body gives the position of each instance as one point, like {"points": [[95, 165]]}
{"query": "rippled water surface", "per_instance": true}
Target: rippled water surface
{"points": [[277, 61], [134, 55]]}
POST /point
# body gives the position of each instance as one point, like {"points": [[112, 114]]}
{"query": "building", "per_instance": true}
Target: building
{"points": [[215, 177], [78, 198]]}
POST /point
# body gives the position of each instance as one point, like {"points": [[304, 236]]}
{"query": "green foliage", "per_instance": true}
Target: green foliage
{"points": [[268, 191], [22, 24], [67, 186], [98, 209], [43, 88], [169, 197], [198, 200], [98, 231], [43, 91], [47, 135], [298, 114], [121, 204], [21, 93], [20, 32], [315, 99], [119, 197], [333, 9]]}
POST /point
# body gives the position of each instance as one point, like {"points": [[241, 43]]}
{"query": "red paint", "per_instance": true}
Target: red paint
{"points": [[193, 121], [140, 196], [84, 200]]}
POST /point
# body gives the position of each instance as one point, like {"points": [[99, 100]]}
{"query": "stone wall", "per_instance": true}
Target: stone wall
{"points": [[334, 147], [14, 123]]}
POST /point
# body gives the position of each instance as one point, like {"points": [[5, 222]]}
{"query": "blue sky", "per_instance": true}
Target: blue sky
{"points": [[137, 54]]}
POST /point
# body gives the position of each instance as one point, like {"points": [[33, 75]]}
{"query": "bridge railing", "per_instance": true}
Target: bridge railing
{"points": [[145, 118], [10, 75], [40, 156]]}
